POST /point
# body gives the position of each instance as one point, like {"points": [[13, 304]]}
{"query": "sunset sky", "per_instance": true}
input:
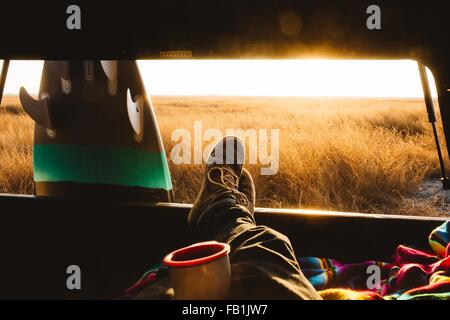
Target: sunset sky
{"points": [[351, 78]]}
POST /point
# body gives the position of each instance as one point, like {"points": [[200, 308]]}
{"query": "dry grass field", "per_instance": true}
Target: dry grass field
{"points": [[364, 155]]}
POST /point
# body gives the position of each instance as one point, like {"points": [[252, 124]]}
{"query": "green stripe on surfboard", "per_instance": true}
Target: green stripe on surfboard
{"points": [[106, 165]]}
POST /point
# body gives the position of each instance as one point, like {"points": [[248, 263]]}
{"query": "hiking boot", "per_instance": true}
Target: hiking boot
{"points": [[221, 182], [247, 187]]}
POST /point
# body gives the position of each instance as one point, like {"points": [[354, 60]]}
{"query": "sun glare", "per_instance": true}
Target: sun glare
{"points": [[320, 78]]}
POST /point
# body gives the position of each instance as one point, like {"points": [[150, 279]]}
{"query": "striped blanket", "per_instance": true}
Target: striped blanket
{"points": [[412, 274]]}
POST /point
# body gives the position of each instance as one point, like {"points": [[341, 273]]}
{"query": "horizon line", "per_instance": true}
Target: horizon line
{"points": [[265, 96]]}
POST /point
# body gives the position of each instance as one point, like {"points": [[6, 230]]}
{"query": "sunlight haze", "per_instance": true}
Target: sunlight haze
{"points": [[316, 78]]}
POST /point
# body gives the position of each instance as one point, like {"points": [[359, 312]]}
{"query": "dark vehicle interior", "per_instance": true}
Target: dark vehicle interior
{"points": [[115, 242]]}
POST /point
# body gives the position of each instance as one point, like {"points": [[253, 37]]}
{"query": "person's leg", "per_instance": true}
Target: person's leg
{"points": [[263, 263]]}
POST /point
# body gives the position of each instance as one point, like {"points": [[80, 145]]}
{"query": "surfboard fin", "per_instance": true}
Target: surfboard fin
{"points": [[135, 110], [62, 69], [89, 74], [110, 69], [38, 110]]}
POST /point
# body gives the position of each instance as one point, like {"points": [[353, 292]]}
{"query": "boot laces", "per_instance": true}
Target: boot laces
{"points": [[228, 181]]}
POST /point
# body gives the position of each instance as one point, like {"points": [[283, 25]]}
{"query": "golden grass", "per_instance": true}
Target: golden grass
{"points": [[361, 155], [16, 132]]}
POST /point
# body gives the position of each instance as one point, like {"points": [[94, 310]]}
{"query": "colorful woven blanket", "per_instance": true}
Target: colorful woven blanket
{"points": [[412, 274]]}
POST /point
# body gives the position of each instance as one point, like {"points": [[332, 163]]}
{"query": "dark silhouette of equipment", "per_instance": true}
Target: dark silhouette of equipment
{"points": [[5, 67], [432, 118]]}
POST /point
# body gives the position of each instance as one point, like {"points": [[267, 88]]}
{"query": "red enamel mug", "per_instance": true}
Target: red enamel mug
{"points": [[200, 271]]}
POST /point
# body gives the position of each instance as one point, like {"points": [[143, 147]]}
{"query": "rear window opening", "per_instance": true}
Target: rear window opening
{"points": [[319, 134]]}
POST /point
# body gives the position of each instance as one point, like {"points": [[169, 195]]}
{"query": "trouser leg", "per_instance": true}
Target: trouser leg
{"points": [[263, 262]]}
